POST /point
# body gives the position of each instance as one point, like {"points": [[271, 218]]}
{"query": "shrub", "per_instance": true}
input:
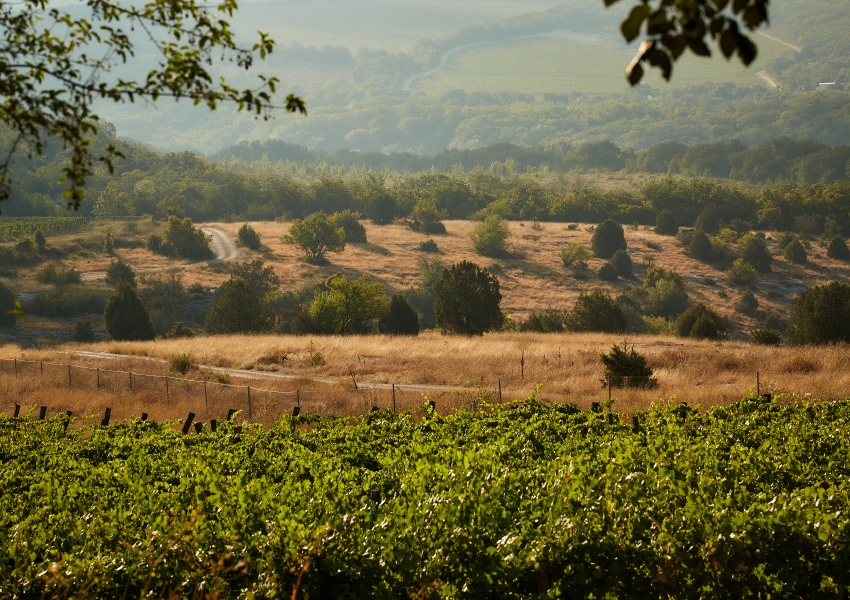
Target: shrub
{"points": [[774, 321], [349, 307], [118, 270], [40, 241], [180, 363], [623, 263], [154, 243], [25, 250], [757, 254], [700, 322], [785, 239], [837, 249], [125, 316], [316, 236], [381, 209], [237, 310], [596, 311], [607, 238], [664, 293], [429, 246], [748, 302], [181, 239], [83, 331], [355, 232], [741, 273], [795, 252], [466, 300], [247, 237], [489, 236], [543, 321], [180, 331], [260, 278], [425, 218], [607, 272], [107, 238], [707, 222], [766, 337], [822, 315], [666, 223], [7, 303], [626, 369], [574, 257], [700, 246], [400, 319]]}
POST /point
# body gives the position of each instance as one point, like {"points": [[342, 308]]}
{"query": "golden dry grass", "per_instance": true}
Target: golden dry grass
{"points": [[566, 365]]}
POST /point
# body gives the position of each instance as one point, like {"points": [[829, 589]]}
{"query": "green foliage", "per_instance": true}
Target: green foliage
{"points": [[466, 300], [741, 273], [430, 272], [125, 316], [164, 297], [574, 257], [40, 241], [83, 331], [784, 239], [260, 278], [664, 293], [400, 319], [316, 236], [666, 223], [180, 331], [25, 251], [248, 238], [837, 249], [489, 236], [608, 237], [426, 218], [21, 226], [795, 252], [700, 322], [707, 222], [7, 304], [821, 316], [596, 311], [607, 272], [757, 254], [543, 321], [700, 246], [748, 302], [774, 321], [348, 307], [119, 270], [622, 262], [181, 239], [766, 337], [180, 363], [107, 238], [355, 232], [626, 369], [153, 243], [237, 310], [429, 246]]}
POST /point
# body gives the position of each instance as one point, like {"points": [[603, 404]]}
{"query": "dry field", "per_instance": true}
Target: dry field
{"points": [[567, 367]]}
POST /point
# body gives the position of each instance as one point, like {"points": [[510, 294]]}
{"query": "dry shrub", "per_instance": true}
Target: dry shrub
{"points": [[273, 357], [798, 364]]}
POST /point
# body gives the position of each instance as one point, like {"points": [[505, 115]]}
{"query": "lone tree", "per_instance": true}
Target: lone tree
{"points": [[795, 252], [607, 239], [466, 300], [238, 310], [596, 311], [626, 369], [837, 249], [757, 254], [248, 237], [623, 263], [700, 322], [489, 236], [666, 223], [400, 319], [316, 236], [118, 270], [125, 316], [822, 316]]}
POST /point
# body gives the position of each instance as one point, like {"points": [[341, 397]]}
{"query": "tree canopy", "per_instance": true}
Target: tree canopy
{"points": [[316, 236], [466, 300]]}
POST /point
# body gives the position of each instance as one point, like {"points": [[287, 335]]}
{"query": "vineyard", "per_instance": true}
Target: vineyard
{"points": [[519, 500], [20, 226]]}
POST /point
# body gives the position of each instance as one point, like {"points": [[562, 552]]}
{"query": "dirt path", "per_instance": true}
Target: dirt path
{"points": [[767, 79], [221, 244], [778, 41]]}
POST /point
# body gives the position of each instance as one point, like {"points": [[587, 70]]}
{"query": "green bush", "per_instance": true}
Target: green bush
{"points": [[466, 300], [700, 322], [795, 252], [180, 331], [237, 310], [429, 246], [25, 250], [700, 246], [748, 302], [247, 237], [837, 249], [7, 303], [543, 321], [623, 263], [607, 272], [355, 232], [784, 239], [83, 331], [107, 239], [489, 237], [118, 270], [260, 278], [664, 293], [666, 223], [69, 302], [741, 273], [316, 236], [822, 316], [596, 311], [154, 243], [40, 241], [180, 363], [181, 239], [125, 316], [574, 257], [757, 254], [608, 237], [400, 319], [774, 321], [707, 223], [766, 337], [626, 369]]}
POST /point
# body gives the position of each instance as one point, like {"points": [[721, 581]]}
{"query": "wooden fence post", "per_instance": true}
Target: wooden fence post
{"points": [[166, 389], [188, 423], [298, 399], [130, 373], [500, 391], [69, 376], [17, 409], [144, 417], [199, 428], [205, 393], [42, 367], [105, 421], [67, 420], [249, 401], [758, 384], [393, 397], [16, 368], [42, 412], [213, 425], [230, 413], [98, 379]]}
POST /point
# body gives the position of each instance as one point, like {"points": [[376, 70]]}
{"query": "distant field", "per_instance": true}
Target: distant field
{"points": [[558, 65]]}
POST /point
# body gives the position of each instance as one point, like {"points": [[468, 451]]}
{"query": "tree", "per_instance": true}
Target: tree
{"points": [[180, 331], [766, 337], [700, 246], [316, 236], [355, 232], [596, 311], [574, 257], [181, 239], [400, 319], [795, 252], [607, 272], [83, 331], [607, 239], [673, 27], [741, 273], [757, 254], [837, 249], [628, 369], [700, 322], [125, 316], [40, 241], [349, 307], [623, 263], [248, 237], [466, 300], [666, 223], [664, 292], [118, 270], [489, 236], [237, 310], [707, 222], [260, 278], [748, 302], [164, 297], [7, 301], [55, 65], [822, 316], [540, 321]]}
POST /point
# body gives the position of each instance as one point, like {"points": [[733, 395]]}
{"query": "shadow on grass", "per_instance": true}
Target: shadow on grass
{"points": [[373, 248]]}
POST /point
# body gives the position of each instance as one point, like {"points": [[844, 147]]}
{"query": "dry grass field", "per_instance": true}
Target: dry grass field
{"points": [[448, 369]]}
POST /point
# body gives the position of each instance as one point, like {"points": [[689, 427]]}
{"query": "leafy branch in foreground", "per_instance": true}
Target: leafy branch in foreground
{"points": [[53, 67]]}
